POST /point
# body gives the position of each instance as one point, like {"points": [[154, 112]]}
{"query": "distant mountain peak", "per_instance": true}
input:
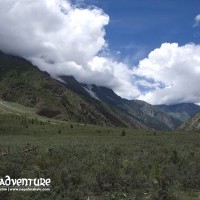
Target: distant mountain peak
{"points": [[182, 111]]}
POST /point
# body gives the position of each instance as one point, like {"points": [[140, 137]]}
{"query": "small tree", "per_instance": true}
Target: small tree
{"points": [[123, 133], [59, 131]]}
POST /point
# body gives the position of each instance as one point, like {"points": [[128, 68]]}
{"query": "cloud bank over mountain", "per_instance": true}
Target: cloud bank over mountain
{"points": [[62, 38], [66, 39]]}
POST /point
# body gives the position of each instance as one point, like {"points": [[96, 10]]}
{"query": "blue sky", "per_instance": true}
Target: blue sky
{"points": [[138, 26]]}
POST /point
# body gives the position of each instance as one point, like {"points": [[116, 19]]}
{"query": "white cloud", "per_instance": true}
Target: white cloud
{"points": [[65, 39], [61, 38], [176, 71], [196, 21]]}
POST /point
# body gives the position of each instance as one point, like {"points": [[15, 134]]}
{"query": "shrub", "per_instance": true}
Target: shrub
{"points": [[123, 133]]}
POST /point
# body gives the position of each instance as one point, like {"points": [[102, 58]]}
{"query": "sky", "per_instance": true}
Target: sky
{"points": [[138, 27], [147, 49]]}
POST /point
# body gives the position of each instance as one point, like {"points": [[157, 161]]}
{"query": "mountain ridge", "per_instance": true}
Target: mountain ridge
{"points": [[181, 111], [139, 110], [24, 83]]}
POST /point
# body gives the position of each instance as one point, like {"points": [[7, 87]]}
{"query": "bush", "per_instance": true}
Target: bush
{"points": [[123, 133]]}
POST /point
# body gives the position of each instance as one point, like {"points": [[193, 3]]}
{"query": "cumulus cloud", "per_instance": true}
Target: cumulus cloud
{"points": [[197, 21], [174, 73], [66, 39], [63, 39]]}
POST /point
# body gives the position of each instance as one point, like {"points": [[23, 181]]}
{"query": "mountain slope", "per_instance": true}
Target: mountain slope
{"points": [[152, 116], [183, 111], [141, 111], [70, 100], [192, 124], [23, 83]]}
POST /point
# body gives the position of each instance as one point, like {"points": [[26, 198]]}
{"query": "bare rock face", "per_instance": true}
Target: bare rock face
{"points": [[192, 125]]}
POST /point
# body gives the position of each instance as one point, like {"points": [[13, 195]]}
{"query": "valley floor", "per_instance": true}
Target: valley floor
{"points": [[98, 163]]}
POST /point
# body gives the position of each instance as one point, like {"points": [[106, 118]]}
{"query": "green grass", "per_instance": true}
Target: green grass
{"points": [[15, 108], [97, 162]]}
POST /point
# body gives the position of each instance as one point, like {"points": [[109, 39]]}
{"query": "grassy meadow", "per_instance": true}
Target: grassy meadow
{"points": [[87, 162]]}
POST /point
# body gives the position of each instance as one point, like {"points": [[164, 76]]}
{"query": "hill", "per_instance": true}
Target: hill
{"points": [[69, 100], [143, 112], [23, 83]]}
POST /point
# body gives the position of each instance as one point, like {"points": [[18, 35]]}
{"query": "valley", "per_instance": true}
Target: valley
{"points": [[93, 144], [99, 100]]}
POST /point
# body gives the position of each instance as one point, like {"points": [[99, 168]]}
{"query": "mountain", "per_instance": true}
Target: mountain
{"points": [[152, 116], [143, 112], [183, 111], [67, 99], [23, 83], [192, 124]]}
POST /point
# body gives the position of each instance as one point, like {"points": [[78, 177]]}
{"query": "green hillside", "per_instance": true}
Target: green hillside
{"points": [[23, 83]]}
